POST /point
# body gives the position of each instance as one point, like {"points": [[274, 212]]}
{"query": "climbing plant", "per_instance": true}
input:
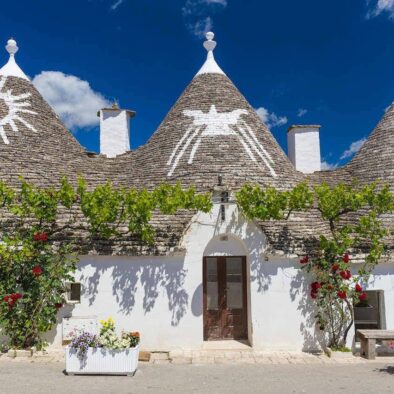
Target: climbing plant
{"points": [[38, 254], [335, 287]]}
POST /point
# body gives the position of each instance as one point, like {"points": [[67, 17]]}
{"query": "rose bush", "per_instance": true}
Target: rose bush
{"points": [[334, 289], [37, 259]]}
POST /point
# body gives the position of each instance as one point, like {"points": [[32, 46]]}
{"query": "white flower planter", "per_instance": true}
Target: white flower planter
{"points": [[103, 361]]}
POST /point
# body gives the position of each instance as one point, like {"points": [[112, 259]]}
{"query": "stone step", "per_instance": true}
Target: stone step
{"points": [[159, 356]]}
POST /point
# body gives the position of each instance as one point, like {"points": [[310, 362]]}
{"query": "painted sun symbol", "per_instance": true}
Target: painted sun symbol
{"points": [[15, 107]]}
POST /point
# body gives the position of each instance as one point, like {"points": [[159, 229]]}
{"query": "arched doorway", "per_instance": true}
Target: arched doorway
{"points": [[225, 290]]}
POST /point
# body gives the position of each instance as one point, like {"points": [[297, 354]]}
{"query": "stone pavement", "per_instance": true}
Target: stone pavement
{"points": [[39, 377], [250, 356], [214, 356]]}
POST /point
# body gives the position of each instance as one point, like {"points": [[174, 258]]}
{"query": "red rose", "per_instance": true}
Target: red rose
{"points": [[335, 267], [313, 294], [362, 296], [342, 294], [346, 258], [37, 271], [58, 305], [12, 299], [304, 260], [37, 236], [358, 288], [43, 237], [315, 286], [346, 274]]}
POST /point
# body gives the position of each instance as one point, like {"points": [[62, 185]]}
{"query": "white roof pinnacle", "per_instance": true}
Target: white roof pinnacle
{"points": [[210, 66], [11, 69]]}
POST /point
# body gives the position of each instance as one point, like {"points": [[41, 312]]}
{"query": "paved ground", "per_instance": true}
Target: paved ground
{"points": [[41, 377]]}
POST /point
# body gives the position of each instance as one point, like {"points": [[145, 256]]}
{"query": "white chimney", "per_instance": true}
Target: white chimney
{"points": [[114, 130], [303, 143]]}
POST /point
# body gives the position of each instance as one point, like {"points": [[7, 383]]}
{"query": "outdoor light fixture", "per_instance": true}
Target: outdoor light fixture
{"points": [[220, 180], [224, 197]]}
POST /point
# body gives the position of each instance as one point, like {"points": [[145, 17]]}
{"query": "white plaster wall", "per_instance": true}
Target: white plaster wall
{"points": [[383, 279], [114, 132], [304, 149], [162, 296]]}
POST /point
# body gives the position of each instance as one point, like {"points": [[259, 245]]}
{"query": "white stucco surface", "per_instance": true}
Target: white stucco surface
{"points": [[114, 132], [162, 296], [11, 68], [304, 148]]}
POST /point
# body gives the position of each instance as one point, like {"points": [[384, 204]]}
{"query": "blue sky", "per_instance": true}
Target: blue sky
{"points": [[307, 61]]}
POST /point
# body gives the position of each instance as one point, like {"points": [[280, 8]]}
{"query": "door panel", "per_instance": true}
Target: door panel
{"points": [[212, 302], [225, 304]]}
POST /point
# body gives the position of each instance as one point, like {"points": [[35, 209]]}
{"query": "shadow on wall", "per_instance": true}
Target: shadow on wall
{"points": [[255, 243], [314, 338], [128, 275], [66, 311]]}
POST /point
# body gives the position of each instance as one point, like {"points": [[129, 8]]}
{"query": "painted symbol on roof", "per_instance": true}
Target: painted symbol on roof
{"points": [[15, 108], [213, 124]]}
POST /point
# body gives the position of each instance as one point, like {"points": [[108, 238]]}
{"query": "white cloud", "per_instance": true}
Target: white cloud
{"points": [[382, 6], [353, 149], [326, 166], [72, 99], [197, 15], [201, 27], [115, 5], [301, 112], [271, 119], [221, 2]]}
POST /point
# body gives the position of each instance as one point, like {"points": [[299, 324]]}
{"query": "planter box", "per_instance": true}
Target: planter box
{"points": [[103, 361]]}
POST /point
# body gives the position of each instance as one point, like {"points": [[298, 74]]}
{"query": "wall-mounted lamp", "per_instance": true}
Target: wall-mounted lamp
{"points": [[220, 180]]}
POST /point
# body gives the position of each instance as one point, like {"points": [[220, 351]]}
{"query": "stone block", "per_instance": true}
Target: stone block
{"points": [[159, 356], [144, 356], [181, 360]]}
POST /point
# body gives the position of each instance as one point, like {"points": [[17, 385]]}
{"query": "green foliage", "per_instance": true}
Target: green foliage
{"points": [[107, 208], [36, 264], [334, 288], [272, 204], [32, 272]]}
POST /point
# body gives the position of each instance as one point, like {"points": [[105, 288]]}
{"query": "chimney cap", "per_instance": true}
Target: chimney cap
{"points": [[115, 108], [303, 126]]}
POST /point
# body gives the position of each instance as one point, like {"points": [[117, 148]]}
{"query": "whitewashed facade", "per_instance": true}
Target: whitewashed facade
{"points": [[162, 297], [211, 138]]}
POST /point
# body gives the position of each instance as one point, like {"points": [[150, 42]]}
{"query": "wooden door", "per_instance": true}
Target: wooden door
{"points": [[225, 303]]}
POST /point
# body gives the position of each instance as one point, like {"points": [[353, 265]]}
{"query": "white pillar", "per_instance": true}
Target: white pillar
{"points": [[114, 131], [303, 142]]}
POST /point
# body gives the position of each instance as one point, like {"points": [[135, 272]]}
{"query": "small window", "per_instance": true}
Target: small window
{"points": [[74, 293], [370, 313]]}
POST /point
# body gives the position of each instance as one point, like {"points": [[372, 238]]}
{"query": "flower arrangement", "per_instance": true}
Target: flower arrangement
{"points": [[107, 338], [83, 342], [110, 340]]}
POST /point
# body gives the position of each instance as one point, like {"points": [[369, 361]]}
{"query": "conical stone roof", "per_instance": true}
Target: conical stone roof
{"points": [[34, 142], [213, 130], [375, 160]]}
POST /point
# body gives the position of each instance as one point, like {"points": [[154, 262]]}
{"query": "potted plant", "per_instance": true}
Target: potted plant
{"points": [[106, 353]]}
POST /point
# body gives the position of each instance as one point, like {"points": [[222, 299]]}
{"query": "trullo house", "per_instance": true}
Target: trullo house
{"points": [[213, 276]]}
